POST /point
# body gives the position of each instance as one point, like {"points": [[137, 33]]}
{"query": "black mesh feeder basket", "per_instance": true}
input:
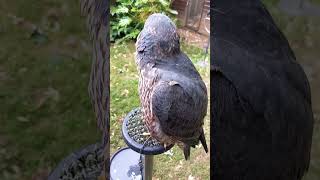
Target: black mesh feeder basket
{"points": [[135, 162], [85, 163]]}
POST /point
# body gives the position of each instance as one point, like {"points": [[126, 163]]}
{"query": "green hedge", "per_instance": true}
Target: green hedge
{"points": [[128, 16]]}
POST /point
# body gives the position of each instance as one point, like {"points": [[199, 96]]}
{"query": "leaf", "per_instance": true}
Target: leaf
{"points": [[113, 12], [173, 11], [133, 34], [141, 2], [169, 153], [190, 177], [38, 37], [128, 17], [164, 2], [178, 167], [22, 119], [125, 93], [121, 9], [125, 21], [42, 96], [53, 93], [125, 2]]}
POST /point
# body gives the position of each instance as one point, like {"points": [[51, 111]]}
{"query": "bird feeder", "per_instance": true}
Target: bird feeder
{"points": [[135, 161], [85, 163]]}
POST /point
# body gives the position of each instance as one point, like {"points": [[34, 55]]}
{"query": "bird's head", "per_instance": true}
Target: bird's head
{"points": [[158, 38]]}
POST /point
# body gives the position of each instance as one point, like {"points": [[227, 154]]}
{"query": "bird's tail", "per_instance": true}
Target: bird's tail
{"points": [[186, 146], [202, 139], [186, 151]]}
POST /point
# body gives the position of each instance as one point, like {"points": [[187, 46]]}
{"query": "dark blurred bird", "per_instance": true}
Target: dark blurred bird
{"points": [[262, 119], [97, 13], [172, 94]]}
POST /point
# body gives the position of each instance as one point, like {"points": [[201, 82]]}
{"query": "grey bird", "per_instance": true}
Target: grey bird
{"points": [[97, 13], [172, 93], [261, 101]]}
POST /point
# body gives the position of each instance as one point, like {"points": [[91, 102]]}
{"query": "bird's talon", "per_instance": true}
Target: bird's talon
{"points": [[146, 134]]}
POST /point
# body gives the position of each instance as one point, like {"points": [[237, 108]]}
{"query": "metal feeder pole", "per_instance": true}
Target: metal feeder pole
{"points": [[148, 165]]}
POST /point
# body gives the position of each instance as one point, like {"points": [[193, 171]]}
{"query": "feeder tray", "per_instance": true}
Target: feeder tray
{"points": [[133, 129], [135, 162], [85, 163]]}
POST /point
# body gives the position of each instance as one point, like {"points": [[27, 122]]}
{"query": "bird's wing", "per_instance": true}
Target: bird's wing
{"points": [[98, 17], [246, 28], [264, 102], [179, 114]]}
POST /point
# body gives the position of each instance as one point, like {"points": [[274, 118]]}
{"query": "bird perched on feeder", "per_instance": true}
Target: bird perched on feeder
{"points": [[262, 114], [172, 94]]}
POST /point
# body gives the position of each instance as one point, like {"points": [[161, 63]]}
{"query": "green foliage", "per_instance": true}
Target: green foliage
{"points": [[128, 16]]}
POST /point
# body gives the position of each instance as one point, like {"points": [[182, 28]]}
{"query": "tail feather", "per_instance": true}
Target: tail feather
{"points": [[186, 151], [186, 145], [202, 139]]}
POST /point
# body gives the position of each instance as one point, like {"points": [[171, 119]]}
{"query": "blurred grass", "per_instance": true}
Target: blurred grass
{"points": [[124, 97], [45, 113]]}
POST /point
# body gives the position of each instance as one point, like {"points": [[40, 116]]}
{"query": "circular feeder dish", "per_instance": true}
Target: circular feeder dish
{"points": [[133, 128], [124, 165], [85, 163]]}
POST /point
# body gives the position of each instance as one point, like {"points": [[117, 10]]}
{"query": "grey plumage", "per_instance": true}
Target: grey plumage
{"points": [[261, 110], [172, 94]]}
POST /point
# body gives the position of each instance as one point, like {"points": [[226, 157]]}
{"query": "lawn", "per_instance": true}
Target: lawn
{"points": [[45, 112], [124, 97]]}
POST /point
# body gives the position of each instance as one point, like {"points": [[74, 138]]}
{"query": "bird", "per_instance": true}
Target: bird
{"points": [[172, 94], [262, 119], [97, 13]]}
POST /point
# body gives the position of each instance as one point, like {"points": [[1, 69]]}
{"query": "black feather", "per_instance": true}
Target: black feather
{"points": [[262, 111], [186, 151], [202, 139]]}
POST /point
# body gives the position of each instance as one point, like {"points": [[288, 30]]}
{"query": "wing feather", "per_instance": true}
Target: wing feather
{"points": [[178, 113]]}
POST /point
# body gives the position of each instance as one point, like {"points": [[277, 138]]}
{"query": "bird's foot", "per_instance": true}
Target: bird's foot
{"points": [[165, 145], [146, 134]]}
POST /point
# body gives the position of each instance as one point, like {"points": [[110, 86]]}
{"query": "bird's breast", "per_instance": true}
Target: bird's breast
{"points": [[147, 82]]}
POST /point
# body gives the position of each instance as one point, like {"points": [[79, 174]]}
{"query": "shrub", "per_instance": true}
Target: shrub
{"points": [[128, 16]]}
